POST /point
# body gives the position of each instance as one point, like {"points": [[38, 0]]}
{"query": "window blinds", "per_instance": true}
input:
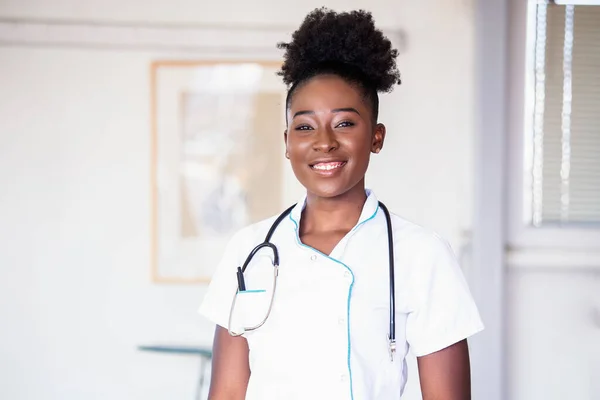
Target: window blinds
{"points": [[566, 131]]}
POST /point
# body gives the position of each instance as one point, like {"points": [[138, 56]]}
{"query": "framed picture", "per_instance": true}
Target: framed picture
{"points": [[217, 160]]}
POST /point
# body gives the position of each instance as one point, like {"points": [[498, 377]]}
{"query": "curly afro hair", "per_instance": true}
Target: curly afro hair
{"points": [[346, 44]]}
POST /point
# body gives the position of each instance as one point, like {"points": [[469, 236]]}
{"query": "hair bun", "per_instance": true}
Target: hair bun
{"points": [[327, 38]]}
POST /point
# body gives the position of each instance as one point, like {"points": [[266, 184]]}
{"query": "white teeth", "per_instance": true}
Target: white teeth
{"points": [[327, 167]]}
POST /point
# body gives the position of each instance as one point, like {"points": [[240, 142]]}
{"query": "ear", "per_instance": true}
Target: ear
{"points": [[285, 142], [378, 138]]}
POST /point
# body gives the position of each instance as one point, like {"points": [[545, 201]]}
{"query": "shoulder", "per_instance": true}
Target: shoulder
{"points": [[426, 262], [415, 234], [417, 242]]}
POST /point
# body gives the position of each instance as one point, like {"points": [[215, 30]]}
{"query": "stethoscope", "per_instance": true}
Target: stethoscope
{"points": [[267, 243]]}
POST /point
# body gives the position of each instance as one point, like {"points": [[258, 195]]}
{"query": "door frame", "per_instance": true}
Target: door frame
{"points": [[487, 276]]}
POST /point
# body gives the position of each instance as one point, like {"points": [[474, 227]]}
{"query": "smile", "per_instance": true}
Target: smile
{"points": [[328, 167]]}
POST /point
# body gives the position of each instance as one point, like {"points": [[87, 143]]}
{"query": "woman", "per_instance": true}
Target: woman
{"points": [[328, 331]]}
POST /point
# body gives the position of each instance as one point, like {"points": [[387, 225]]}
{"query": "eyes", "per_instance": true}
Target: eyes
{"points": [[306, 127]]}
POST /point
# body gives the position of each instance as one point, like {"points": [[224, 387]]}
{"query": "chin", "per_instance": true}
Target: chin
{"points": [[326, 194], [330, 187], [328, 190]]}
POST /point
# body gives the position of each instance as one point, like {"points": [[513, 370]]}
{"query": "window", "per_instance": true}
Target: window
{"points": [[554, 125], [564, 156]]}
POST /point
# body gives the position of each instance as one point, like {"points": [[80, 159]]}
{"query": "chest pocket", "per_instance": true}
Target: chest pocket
{"points": [[252, 305]]}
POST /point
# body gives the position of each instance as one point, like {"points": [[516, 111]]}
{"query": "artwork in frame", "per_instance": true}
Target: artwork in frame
{"points": [[217, 155]]}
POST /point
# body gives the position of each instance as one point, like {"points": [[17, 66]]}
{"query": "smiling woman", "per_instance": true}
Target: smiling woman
{"points": [[350, 287], [331, 135]]}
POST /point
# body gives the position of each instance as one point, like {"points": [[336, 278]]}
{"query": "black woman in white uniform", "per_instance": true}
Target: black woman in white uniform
{"points": [[338, 289]]}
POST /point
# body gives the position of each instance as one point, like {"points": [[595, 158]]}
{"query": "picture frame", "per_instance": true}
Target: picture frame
{"points": [[217, 155]]}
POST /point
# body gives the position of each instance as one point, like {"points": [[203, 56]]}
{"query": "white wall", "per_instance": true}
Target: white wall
{"points": [[74, 204], [553, 334], [262, 12]]}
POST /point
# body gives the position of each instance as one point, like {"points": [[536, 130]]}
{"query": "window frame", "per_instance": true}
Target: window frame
{"points": [[576, 2], [521, 234]]}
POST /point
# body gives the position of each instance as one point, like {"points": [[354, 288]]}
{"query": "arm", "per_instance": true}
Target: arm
{"points": [[230, 369], [445, 374]]}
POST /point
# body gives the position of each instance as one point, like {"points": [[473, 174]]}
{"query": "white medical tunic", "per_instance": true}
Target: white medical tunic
{"points": [[327, 334]]}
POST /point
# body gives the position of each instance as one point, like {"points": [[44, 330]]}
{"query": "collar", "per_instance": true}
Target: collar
{"points": [[369, 210]]}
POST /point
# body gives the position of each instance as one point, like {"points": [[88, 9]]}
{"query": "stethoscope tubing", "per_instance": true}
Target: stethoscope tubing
{"points": [[267, 244]]}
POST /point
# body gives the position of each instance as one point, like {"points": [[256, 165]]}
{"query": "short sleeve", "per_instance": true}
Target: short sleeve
{"points": [[216, 304], [443, 311]]}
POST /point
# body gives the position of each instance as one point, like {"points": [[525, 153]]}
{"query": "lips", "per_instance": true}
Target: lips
{"points": [[327, 168]]}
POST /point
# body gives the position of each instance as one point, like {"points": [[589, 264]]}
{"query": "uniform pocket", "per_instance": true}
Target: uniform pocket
{"points": [[251, 308]]}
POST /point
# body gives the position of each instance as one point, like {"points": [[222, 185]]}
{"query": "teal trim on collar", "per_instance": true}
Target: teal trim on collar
{"points": [[370, 208]]}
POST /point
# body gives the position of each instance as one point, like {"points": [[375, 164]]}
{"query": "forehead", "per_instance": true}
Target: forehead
{"points": [[327, 92]]}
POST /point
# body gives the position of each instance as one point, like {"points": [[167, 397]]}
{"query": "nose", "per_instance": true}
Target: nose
{"points": [[325, 141]]}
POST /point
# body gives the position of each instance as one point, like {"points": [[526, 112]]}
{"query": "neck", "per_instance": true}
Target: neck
{"points": [[325, 214]]}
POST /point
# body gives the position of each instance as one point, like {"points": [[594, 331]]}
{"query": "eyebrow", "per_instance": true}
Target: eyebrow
{"points": [[335, 110]]}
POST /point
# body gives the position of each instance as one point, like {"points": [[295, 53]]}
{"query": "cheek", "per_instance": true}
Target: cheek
{"points": [[360, 149], [297, 159], [296, 148]]}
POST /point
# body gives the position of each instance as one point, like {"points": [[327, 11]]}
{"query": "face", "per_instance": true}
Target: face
{"points": [[330, 136]]}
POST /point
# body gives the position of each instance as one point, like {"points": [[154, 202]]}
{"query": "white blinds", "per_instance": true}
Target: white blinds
{"points": [[566, 175]]}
